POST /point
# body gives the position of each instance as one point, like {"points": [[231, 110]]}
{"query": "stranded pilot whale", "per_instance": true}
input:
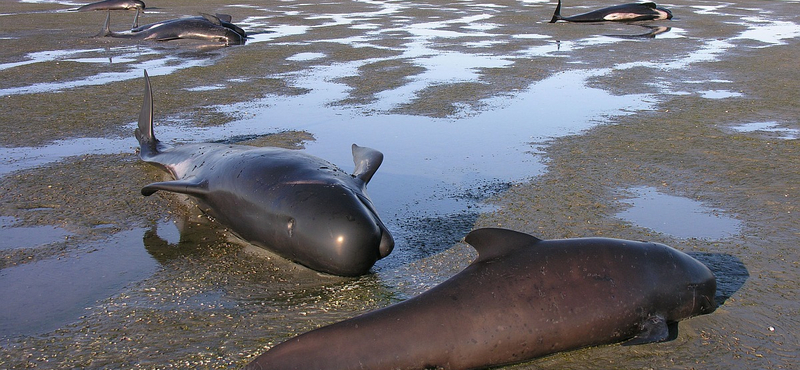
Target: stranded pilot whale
{"points": [[205, 27], [521, 298], [294, 204], [626, 12], [110, 5]]}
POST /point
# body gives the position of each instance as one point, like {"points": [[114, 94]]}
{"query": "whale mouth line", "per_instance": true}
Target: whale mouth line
{"points": [[386, 244]]}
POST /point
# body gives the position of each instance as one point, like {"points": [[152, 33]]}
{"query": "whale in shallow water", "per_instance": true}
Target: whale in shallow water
{"points": [[291, 203], [206, 27], [521, 298], [223, 20], [116, 5], [625, 13]]}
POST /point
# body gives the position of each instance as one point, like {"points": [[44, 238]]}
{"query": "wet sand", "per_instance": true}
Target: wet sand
{"points": [[198, 298]]}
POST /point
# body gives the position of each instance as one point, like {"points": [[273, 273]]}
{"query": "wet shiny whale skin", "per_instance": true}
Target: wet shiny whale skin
{"points": [[521, 298], [110, 5], [647, 11], [207, 27], [286, 201]]}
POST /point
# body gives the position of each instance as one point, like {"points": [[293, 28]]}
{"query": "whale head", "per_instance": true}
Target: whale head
{"points": [[663, 13], [333, 229], [694, 286]]}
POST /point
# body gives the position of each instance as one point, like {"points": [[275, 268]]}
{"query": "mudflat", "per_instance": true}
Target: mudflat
{"points": [[487, 115]]}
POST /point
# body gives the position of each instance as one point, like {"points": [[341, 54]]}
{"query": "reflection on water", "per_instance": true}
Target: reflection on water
{"points": [[42, 296], [769, 32], [301, 57], [135, 57], [769, 128], [677, 216], [17, 237], [473, 149], [719, 94]]}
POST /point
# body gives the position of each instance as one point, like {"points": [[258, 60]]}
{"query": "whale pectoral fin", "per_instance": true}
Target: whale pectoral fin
{"points": [[492, 242], [194, 187], [650, 5], [654, 329], [367, 161]]}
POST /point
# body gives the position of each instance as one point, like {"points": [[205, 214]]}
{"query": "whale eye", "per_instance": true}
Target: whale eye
{"points": [[290, 227]]}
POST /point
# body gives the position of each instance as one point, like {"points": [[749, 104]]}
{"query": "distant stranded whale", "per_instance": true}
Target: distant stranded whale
{"points": [[624, 13], [291, 203], [215, 28], [521, 298], [110, 5]]}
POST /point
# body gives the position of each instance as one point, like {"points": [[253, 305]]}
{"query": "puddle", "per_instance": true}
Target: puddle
{"points": [[137, 57], [710, 9], [273, 32], [719, 94], [42, 296], [169, 232], [440, 67], [459, 152], [771, 128], [769, 32], [14, 237], [20, 158], [205, 88], [677, 216], [424, 155], [300, 57]]}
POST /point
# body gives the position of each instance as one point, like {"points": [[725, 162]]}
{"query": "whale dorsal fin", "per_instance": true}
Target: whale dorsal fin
{"points": [[492, 242], [212, 18], [650, 5], [367, 161], [192, 186], [148, 144], [224, 17]]}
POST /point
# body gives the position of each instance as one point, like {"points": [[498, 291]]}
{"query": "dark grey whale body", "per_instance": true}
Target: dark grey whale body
{"points": [[520, 299], [286, 201], [625, 13], [206, 27], [217, 19], [109, 5]]}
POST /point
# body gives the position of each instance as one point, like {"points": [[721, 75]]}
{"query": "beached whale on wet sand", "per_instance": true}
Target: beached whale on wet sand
{"points": [[621, 13], [110, 5], [206, 27], [521, 298], [294, 204]]}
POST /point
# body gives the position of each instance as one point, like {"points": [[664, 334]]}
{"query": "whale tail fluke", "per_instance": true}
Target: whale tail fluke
{"points": [[106, 30], [557, 14], [148, 144], [136, 18]]}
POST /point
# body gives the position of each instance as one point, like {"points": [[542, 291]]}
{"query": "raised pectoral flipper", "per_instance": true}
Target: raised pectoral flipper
{"points": [[654, 329], [192, 186]]}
